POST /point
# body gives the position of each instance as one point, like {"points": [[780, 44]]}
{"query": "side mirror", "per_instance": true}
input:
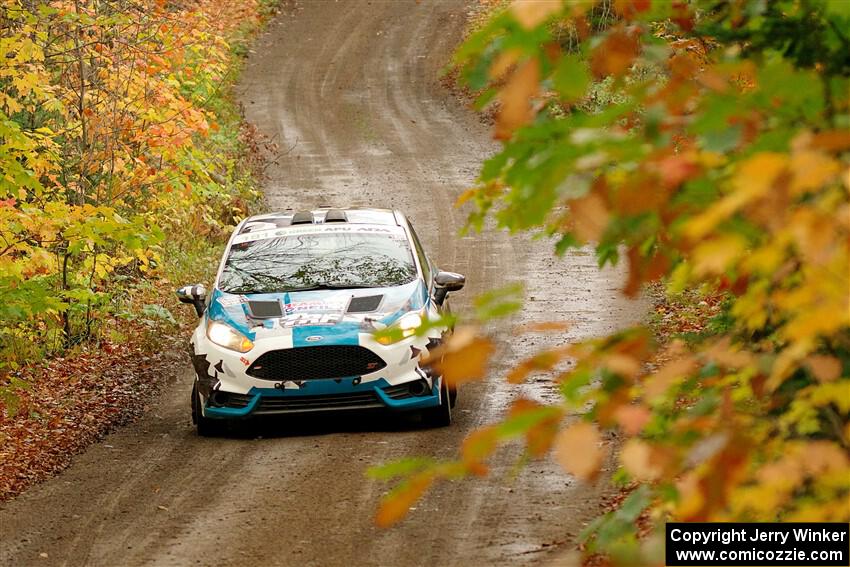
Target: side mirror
{"points": [[194, 294], [446, 282]]}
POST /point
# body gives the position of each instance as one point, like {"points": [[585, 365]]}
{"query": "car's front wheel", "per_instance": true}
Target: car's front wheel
{"points": [[440, 416], [205, 426]]}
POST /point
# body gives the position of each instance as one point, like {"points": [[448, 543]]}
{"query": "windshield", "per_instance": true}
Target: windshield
{"points": [[318, 260]]}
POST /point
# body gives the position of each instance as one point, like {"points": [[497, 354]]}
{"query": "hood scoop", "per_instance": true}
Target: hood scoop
{"points": [[265, 309], [364, 304]]}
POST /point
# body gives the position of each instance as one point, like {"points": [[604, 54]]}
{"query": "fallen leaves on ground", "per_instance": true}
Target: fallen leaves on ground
{"points": [[72, 401]]}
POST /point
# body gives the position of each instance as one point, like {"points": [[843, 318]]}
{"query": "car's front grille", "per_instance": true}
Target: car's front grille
{"points": [[316, 362], [295, 404]]}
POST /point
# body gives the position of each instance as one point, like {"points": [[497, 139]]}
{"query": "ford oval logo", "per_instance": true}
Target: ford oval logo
{"points": [[313, 338]]}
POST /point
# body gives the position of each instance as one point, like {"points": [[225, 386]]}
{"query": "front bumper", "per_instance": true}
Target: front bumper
{"points": [[376, 395], [229, 386]]}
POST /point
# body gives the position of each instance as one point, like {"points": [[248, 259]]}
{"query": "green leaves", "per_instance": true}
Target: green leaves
{"points": [[498, 303], [571, 78], [402, 467], [614, 531]]}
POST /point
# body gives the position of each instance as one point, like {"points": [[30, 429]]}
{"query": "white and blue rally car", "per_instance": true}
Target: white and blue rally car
{"points": [[290, 324]]}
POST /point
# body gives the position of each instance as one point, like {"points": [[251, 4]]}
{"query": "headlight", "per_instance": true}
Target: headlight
{"points": [[405, 327], [228, 337]]}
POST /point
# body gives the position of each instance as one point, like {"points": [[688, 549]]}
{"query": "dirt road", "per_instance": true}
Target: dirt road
{"points": [[349, 90]]}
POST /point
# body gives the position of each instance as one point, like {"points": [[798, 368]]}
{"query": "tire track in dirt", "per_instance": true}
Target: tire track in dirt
{"points": [[349, 90]]}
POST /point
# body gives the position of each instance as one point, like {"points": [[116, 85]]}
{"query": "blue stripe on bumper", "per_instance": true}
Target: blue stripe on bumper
{"points": [[210, 411], [320, 387], [418, 402]]}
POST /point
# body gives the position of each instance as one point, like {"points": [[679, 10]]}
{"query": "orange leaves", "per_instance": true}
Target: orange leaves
{"points": [[639, 193], [477, 446], [536, 422], [712, 79], [532, 13], [632, 418], [464, 357], [819, 457], [616, 53], [811, 170], [752, 179], [683, 65], [629, 8], [643, 269], [714, 256], [578, 450], [589, 216], [814, 234], [542, 361], [831, 141], [682, 15], [622, 364], [677, 168], [540, 436], [465, 196], [702, 490], [637, 459], [755, 176], [825, 368], [777, 480], [395, 506], [515, 97], [657, 384], [725, 355], [543, 327]]}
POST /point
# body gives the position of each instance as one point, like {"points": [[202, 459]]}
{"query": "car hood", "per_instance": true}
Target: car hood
{"points": [[338, 311]]}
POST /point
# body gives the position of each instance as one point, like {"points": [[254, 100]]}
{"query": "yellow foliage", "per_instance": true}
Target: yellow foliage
{"points": [[86, 173]]}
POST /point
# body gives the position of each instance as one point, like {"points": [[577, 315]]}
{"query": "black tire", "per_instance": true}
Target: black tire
{"points": [[440, 416], [205, 426], [453, 396]]}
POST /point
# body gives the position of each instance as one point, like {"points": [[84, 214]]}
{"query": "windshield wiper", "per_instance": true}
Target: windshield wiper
{"points": [[343, 285], [328, 285], [305, 288]]}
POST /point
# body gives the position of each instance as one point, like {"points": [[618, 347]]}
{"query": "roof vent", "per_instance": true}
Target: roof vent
{"points": [[335, 215], [302, 217]]}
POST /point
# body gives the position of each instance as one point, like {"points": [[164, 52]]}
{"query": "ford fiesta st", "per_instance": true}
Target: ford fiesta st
{"points": [[289, 325]]}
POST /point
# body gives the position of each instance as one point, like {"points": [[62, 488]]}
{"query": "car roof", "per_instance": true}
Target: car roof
{"points": [[321, 215]]}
